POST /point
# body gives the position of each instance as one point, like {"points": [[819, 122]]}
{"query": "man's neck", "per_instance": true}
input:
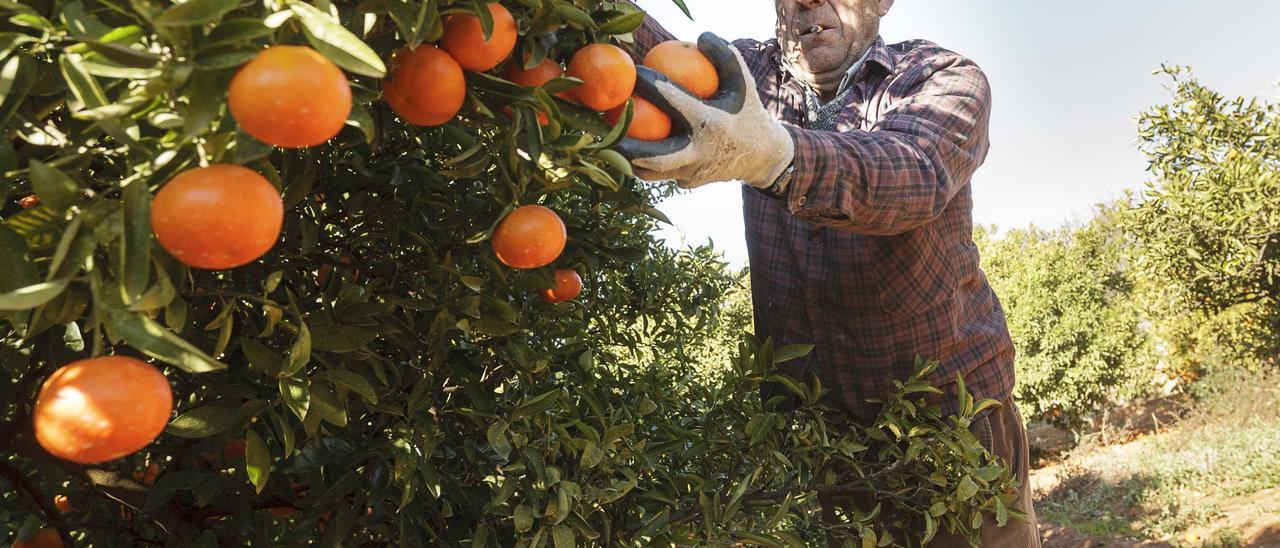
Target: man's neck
{"points": [[826, 84]]}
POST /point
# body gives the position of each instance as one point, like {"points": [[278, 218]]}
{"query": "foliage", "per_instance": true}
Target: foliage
{"points": [[390, 381], [1068, 298], [1208, 222]]}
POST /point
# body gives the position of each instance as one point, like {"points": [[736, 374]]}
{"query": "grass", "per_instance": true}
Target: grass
{"points": [[1166, 486]]}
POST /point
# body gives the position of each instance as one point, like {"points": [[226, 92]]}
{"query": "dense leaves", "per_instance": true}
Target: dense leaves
{"points": [[378, 377]]}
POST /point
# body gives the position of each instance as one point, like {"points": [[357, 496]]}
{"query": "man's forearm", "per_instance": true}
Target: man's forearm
{"points": [[904, 171]]}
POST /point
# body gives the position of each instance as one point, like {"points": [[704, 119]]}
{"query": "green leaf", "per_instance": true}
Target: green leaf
{"points": [[498, 441], [260, 357], [57, 190], [300, 352], [25, 298], [524, 518], [791, 352], [195, 12], [337, 43], [574, 15], [352, 380], [18, 271], [203, 422], [257, 460], [17, 77], [563, 536], [623, 24], [136, 243], [154, 340], [297, 394], [340, 338], [967, 489]]}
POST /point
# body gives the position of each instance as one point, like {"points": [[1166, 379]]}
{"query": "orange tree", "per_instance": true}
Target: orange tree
{"points": [[290, 213]]}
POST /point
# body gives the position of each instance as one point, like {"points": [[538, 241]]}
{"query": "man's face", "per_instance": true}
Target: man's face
{"points": [[820, 36]]}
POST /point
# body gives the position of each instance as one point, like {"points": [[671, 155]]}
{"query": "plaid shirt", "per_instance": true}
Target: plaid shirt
{"points": [[870, 256]]}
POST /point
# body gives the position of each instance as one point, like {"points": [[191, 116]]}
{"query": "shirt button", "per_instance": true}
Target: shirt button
{"points": [[815, 237], [801, 201]]}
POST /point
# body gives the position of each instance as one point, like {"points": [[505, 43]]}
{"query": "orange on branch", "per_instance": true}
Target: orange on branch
{"points": [[532, 236], [290, 96], [100, 409], [685, 65], [608, 76], [568, 286], [217, 217], [648, 122], [63, 504], [426, 86], [464, 38], [46, 538]]}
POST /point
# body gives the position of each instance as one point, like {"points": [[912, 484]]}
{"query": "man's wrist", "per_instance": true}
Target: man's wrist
{"points": [[778, 188]]}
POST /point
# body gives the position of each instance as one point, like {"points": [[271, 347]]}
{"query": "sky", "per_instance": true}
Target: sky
{"points": [[1068, 79]]}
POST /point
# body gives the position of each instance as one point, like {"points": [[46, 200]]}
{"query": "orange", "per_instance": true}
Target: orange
{"points": [[29, 201], [63, 504], [234, 449], [545, 71], [149, 475], [46, 538], [284, 511], [532, 236], [464, 39], [568, 286], [217, 217], [541, 73], [426, 87], [608, 76], [648, 122], [684, 65], [100, 409], [290, 96]]}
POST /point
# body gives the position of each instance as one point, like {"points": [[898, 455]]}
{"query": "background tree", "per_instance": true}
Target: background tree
{"points": [[381, 376], [1208, 222]]}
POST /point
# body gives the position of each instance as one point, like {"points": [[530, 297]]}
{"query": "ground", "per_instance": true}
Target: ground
{"points": [[1168, 472]]}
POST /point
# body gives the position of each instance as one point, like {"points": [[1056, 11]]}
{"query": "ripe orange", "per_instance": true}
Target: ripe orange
{"points": [[608, 76], [29, 201], [532, 236], [284, 511], [46, 538], [99, 409], [234, 449], [648, 122], [426, 87], [63, 504], [684, 65], [290, 96], [464, 39], [545, 71], [568, 286], [217, 217]]}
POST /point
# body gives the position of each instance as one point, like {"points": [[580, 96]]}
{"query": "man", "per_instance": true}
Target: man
{"points": [[856, 158]]}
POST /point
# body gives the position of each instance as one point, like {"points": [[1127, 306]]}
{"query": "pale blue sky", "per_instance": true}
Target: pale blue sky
{"points": [[1068, 80]]}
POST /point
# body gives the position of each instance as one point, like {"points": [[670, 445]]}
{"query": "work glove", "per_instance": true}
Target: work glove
{"points": [[727, 137]]}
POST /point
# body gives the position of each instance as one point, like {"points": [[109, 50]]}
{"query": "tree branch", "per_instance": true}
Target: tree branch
{"points": [[51, 514]]}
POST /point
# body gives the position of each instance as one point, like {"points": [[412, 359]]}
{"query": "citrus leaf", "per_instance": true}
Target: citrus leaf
{"points": [[297, 394], [351, 380], [195, 12], [31, 296], [203, 422], [623, 23], [257, 460], [154, 340], [337, 43], [57, 190]]}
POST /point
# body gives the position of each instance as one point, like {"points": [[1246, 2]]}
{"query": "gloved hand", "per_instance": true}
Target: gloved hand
{"points": [[727, 137]]}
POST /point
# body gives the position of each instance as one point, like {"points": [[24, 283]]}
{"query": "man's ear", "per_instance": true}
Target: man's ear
{"points": [[884, 7]]}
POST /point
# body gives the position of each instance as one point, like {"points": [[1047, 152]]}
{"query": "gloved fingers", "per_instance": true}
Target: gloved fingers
{"points": [[667, 165], [736, 82], [633, 149]]}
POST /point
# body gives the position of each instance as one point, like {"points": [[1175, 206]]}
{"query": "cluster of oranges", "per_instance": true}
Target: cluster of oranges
{"points": [[100, 409]]}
